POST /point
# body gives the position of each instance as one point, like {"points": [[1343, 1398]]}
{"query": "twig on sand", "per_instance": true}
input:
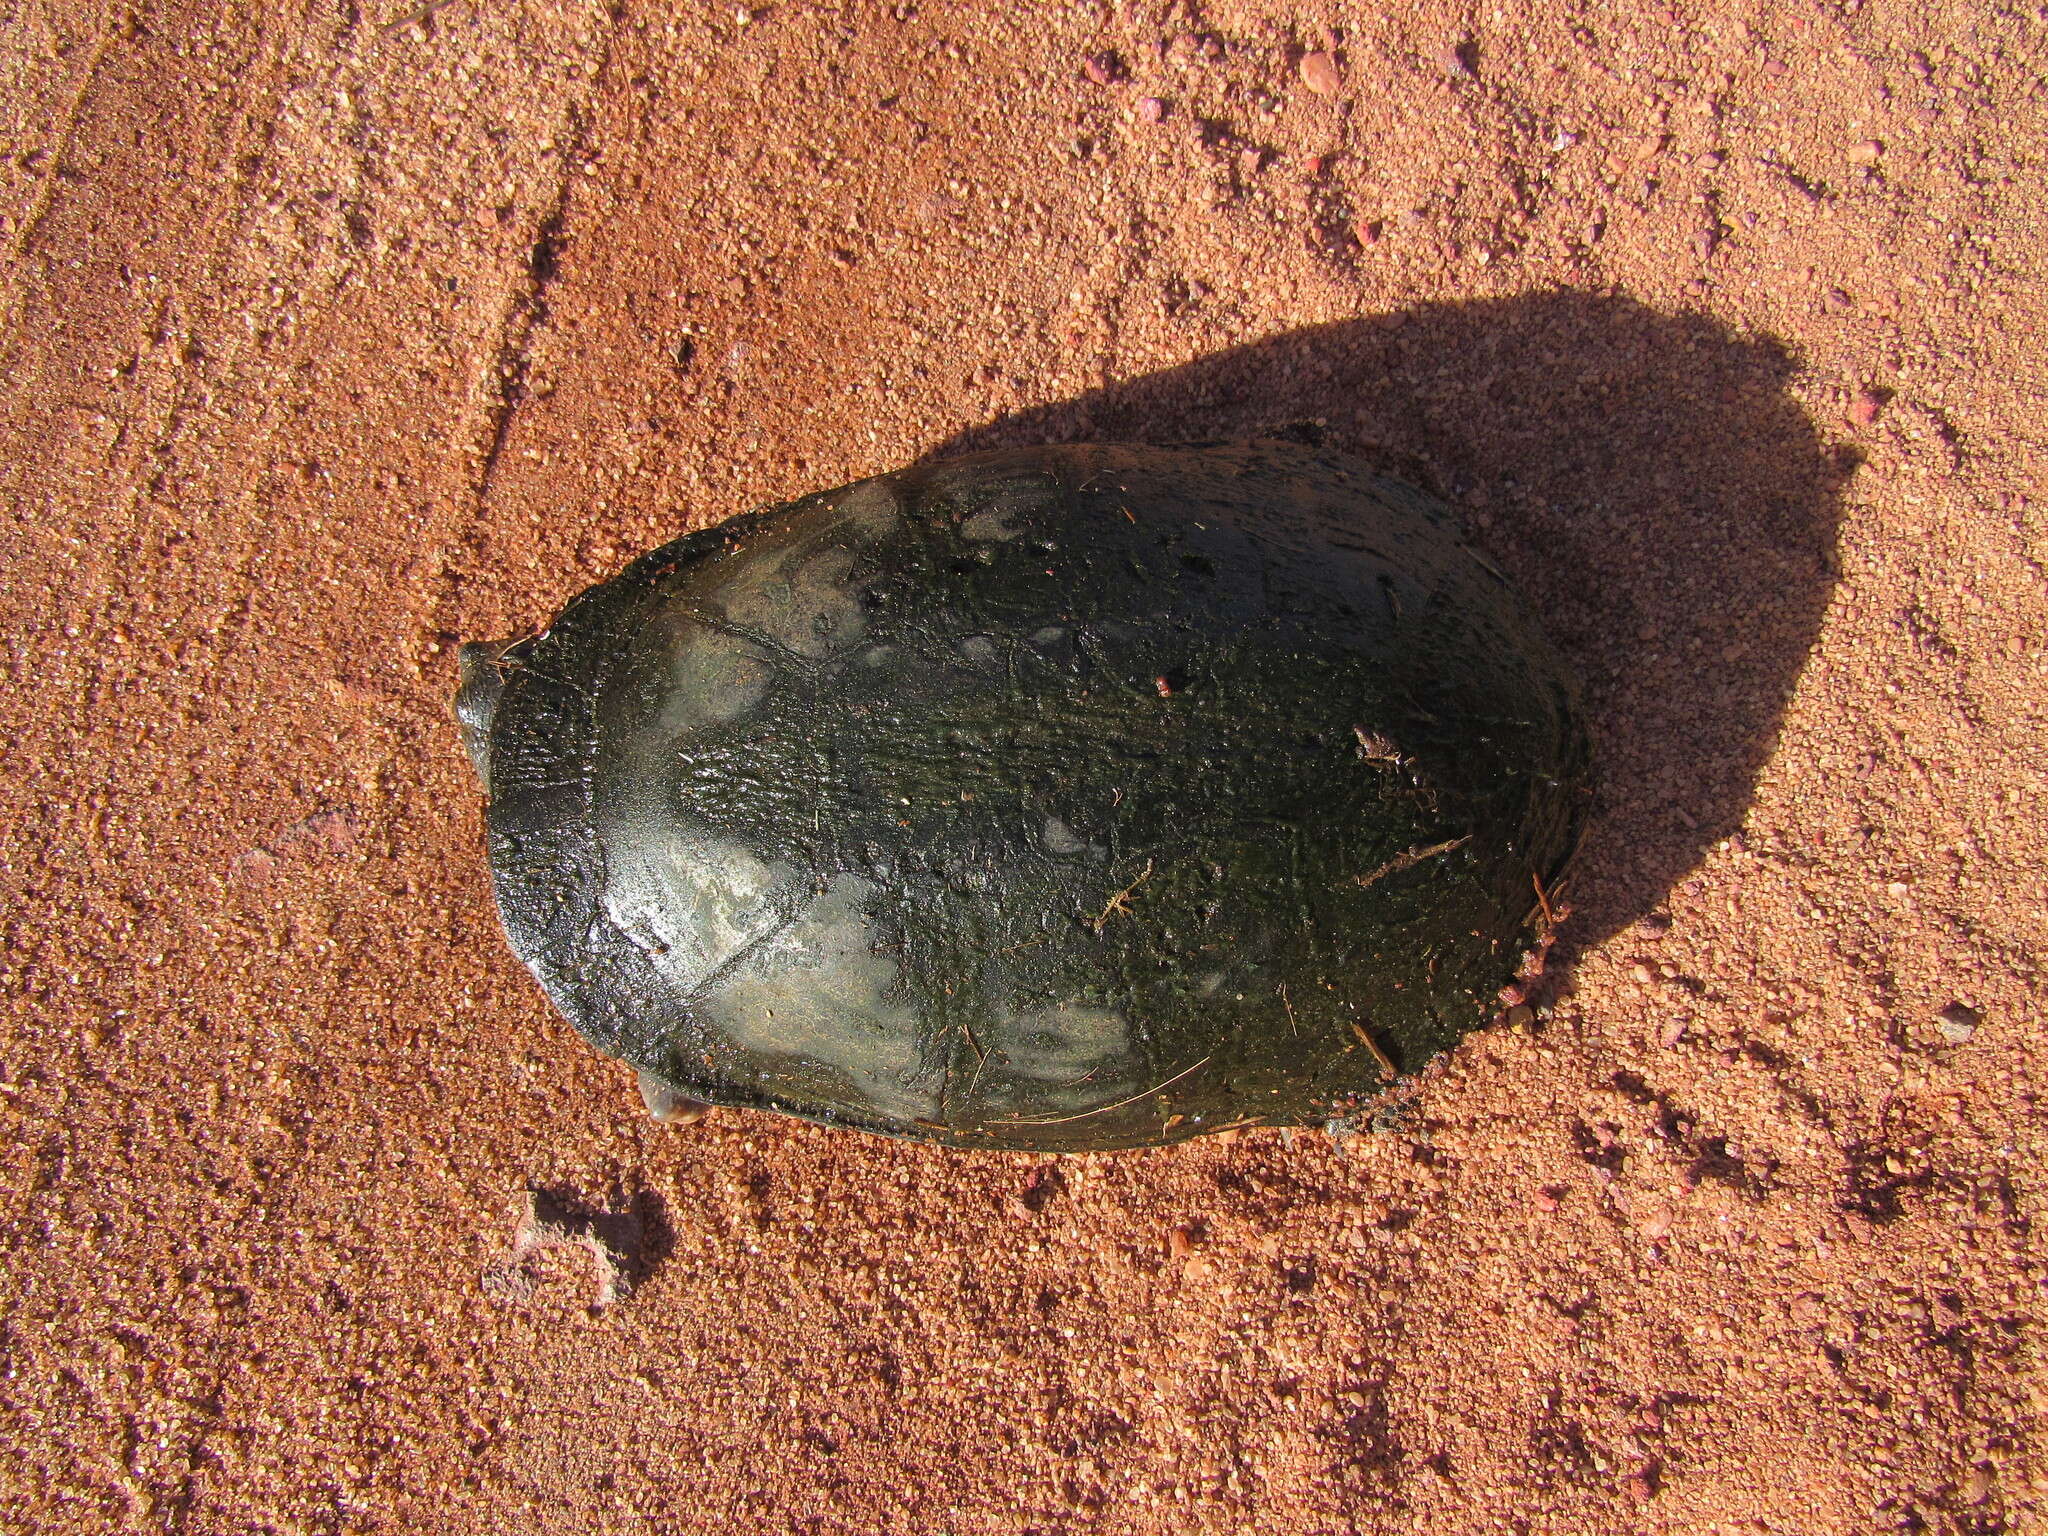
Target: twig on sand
{"points": [[1292, 1027], [413, 17]]}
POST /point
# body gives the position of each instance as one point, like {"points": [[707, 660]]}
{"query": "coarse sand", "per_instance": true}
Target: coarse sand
{"points": [[333, 333]]}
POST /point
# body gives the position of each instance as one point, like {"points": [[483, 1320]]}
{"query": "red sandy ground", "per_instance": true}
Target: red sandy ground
{"points": [[333, 332]]}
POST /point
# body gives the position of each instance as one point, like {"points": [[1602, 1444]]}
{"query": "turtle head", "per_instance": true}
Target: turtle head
{"points": [[476, 700]]}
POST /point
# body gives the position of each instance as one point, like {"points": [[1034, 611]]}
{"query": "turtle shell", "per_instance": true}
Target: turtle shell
{"points": [[1059, 798]]}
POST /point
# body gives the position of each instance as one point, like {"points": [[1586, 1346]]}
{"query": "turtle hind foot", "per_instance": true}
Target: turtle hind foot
{"points": [[668, 1106]]}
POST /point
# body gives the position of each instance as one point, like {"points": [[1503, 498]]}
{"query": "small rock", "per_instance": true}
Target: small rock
{"points": [[1312, 168], [1866, 153], [1461, 60], [1103, 68], [1704, 241], [254, 866], [1655, 1226], [1368, 232], [1958, 1022], [1546, 1199], [1641, 974], [1320, 74], [1178, 1244], [1977, 1485], [1674, 1033], [1520, 1017], [1866, 408], [1151, 110], [330, 832], [1641, 1486]]}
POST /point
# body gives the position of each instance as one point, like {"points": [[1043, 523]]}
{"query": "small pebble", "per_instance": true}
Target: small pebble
{"points": [[1320, 74], [1368, 231], [1545, 1200], [1958, 1022], [255, 865], [1177, 1242], [1866, 153], [1703, 243], [1102, 68], [1866, 408], [1151, 109]]}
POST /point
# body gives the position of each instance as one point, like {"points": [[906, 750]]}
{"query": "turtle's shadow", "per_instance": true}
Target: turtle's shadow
{"points": [[1667, 506]]}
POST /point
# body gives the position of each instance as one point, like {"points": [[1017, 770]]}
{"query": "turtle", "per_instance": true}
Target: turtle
{"points": [[1061, 798]]}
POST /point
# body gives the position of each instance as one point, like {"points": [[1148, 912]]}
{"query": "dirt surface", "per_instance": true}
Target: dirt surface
{"points": [[332, 333]]}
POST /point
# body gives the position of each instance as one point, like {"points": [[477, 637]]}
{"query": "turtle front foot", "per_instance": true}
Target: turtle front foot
{"points": [[668, 1106]]}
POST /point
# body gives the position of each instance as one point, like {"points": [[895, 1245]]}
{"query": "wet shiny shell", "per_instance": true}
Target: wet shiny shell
{"points": [[1062, 798]]}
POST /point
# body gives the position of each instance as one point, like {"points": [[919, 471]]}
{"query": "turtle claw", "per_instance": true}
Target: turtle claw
{"points": [[668, 1106], [476, 702]]}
